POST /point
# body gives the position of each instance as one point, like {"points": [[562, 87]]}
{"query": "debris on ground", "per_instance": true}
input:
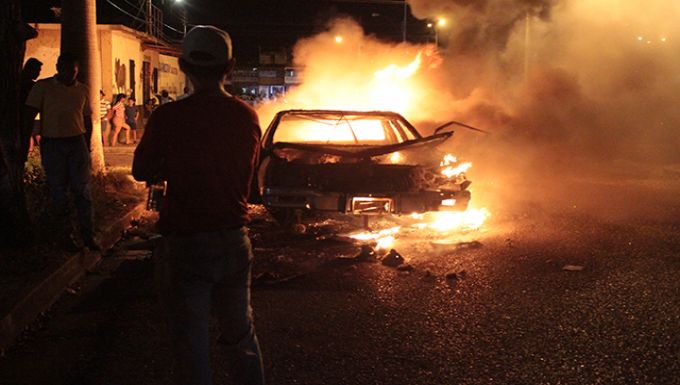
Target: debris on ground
{"points": [[367, 254], [572, 267], [299, 228], [406, 268], [453, 278], [428, 276], [269, 278], [71, 291], [446, 245], [393, 259]]}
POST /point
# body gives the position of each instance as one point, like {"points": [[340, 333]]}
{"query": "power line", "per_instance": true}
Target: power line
{"points": [[124, 11], [136, 18]]}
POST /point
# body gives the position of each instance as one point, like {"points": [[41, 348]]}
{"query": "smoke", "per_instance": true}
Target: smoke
{"points": [[570, 88], [478, 26]]}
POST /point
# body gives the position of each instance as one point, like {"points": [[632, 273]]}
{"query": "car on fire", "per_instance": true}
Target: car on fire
{"points": [[356, 163]]}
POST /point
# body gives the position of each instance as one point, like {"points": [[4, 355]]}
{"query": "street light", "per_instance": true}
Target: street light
{"points": [[338, 39], [440, 23], [182, 15]]}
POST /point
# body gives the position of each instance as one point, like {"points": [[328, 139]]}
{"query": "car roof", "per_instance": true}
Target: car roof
{"points": [[341, 112]]}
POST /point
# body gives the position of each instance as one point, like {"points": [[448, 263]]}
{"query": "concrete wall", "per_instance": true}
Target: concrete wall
{"points": [[170, 78], [45, 48], [124, 48], [118, 45]]}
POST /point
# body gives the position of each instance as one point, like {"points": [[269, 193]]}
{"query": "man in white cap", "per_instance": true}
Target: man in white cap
{"points": [[206, 147]]}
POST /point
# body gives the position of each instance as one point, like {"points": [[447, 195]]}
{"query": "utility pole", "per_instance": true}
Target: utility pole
{"points": [[149, 22]]}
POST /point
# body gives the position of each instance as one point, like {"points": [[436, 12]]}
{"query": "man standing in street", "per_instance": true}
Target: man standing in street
{"points": [[206, 148], [66, 120], [30, 72]]}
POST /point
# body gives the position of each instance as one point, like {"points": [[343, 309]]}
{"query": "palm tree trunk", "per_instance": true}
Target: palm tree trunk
{"points": [[79, 37]]}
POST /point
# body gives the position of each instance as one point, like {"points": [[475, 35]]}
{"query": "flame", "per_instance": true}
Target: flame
{"points": [[395, 158], [449, 170], [394, 72], [383, 238], [343, 70], [453, 171], [446, 221], [385, 242]]}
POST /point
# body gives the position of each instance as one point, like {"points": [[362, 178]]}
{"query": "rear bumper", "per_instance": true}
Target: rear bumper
{"points": [[367, 203]]}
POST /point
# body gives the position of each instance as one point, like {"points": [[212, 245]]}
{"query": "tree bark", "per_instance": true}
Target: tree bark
{"points": [[79, 37], [14, 224]]}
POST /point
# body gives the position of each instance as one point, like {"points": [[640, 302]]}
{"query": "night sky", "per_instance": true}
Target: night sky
{"points": [[255, 24]]}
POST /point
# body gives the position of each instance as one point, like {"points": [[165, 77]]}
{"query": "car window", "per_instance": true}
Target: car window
{"points": [[338, 129]]}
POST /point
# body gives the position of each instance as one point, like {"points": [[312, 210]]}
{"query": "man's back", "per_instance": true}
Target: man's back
{"points": [[209, 146]]}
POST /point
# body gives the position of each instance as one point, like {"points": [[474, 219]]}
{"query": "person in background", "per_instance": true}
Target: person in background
{"points": [[104, 115], [118, 120], [206, 148], [29, 74], [165, 97], [185, 95], [131, 116], [66, 123]]}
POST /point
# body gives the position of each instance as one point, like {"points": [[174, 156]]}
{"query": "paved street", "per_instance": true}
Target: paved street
{"points": [[509, 313], [119, 156]]}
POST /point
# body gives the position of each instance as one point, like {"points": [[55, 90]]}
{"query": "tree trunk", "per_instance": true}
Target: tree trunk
{"points": [[14, 225], [79, 37]]}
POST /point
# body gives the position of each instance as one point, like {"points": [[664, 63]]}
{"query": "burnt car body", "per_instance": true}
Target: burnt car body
{"points": [[354, 162]]}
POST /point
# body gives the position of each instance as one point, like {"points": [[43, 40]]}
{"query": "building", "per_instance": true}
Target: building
{"points": [[272, 77], [133, 62]]}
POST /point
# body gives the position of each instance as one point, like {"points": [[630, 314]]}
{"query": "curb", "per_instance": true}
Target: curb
{"points": [[44, 294]]}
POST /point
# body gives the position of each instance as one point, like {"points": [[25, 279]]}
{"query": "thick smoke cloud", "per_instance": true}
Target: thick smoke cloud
{"points": [[569, 88]]}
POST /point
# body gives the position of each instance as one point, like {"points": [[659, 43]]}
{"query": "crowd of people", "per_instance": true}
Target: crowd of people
{"points": [[124, 114]]}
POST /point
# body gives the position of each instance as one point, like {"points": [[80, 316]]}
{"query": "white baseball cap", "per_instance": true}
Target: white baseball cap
{"points": [[206, 46]]}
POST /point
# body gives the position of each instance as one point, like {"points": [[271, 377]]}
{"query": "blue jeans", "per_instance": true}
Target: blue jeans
{"points": [[66, 162], [193, 270]]}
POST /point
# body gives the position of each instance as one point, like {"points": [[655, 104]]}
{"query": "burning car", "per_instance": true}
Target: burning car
{"points": [[357, 163]]}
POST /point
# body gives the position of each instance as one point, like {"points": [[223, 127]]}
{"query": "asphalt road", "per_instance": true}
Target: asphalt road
{"points": [[119, 156], [512, 315]]}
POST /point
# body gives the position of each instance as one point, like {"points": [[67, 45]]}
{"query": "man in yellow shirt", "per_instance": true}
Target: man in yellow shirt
{"points": [[66, 126]]}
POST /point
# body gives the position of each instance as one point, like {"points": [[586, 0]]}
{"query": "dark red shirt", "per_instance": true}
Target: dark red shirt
{"points": [[206, 147]]}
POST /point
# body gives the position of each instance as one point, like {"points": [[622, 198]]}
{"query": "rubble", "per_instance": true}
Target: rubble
{"points": [[406, 268], [392, 259], [268, 278], [367, 254], [445, 245], [428, 276]]}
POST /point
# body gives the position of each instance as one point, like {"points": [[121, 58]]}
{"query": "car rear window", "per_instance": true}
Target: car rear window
{"points": [[341, 129]]}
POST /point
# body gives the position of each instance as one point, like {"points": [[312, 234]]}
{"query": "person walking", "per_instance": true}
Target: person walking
{"points": [[105, 115], [206, 148], [131, 116], [118, 120], [66, 122]]}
